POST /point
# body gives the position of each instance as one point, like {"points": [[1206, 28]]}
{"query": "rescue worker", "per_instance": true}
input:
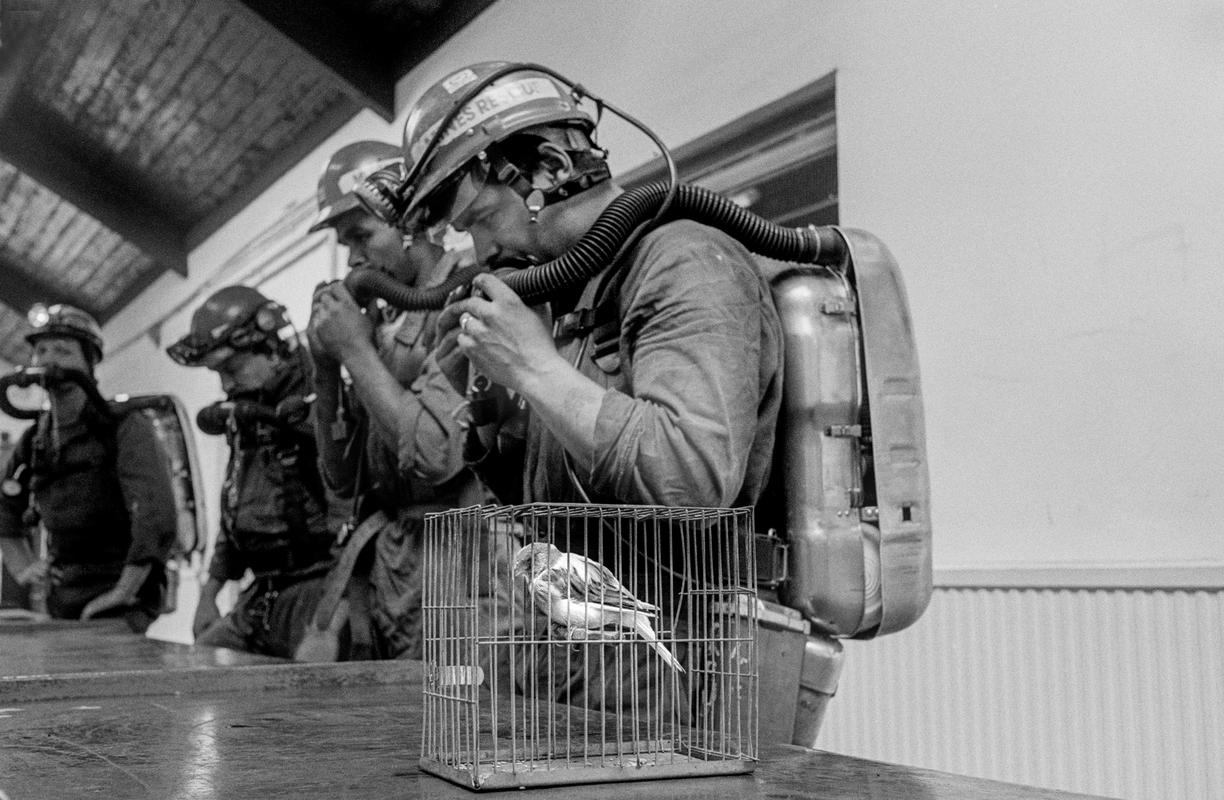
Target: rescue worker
{"points": [[679, 409], [659, 382], [92, 480], [273, 506], [389, 441]]}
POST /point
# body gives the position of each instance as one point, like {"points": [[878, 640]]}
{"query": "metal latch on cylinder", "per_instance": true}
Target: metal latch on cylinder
{"points": [[771, 559]]}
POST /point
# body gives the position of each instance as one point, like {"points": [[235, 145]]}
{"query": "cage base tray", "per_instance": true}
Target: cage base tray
{"points": [[628, 765]]}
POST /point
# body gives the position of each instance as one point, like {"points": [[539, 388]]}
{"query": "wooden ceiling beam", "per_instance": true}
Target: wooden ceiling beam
{"points": [[46, 149], [337, 43], [128, 295], [445, 23], [20, 291]]}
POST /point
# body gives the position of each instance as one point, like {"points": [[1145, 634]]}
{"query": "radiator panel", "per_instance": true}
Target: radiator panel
{"points": [[1109, 692]]}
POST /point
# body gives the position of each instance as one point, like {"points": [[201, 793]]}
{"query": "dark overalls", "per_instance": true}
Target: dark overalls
{"points": [[85, 479], [274, 523]]}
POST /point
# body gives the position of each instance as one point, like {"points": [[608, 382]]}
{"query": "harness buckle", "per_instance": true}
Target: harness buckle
{"points": [[574, 324]]}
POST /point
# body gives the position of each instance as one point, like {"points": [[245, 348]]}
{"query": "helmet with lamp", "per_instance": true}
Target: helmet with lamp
{"points": [[62, 319]]}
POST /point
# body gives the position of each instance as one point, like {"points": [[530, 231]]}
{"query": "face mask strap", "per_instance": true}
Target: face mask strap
{"points": [[535, 198]]}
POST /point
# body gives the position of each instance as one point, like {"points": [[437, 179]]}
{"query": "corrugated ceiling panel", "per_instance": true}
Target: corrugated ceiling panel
{"points": [[52, 242], [62, 52], [25, 210], [12, 202], [174, 86], [162, 85], [209, 81], [158, 23], [123, 265], [13, 348]]}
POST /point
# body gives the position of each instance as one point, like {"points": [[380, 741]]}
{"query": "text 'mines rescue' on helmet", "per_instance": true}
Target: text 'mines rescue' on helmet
{"points": [[61, 319], [232, 318], [520, 99], [344, 172]]}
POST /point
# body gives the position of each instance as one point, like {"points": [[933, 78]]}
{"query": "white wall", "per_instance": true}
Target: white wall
{"points": [[1049, 176]]}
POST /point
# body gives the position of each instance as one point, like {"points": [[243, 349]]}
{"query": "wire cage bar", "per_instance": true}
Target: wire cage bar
{"points": [[568, 643]]}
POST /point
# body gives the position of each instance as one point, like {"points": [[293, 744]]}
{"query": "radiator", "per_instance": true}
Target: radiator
{"points": [[1114, 692]]}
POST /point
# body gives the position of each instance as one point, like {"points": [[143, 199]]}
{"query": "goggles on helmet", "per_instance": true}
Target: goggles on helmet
{"points": [[191, 350], [214, 348]]}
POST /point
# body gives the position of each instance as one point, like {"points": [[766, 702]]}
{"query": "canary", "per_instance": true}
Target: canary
{"points": [[584, 596]]}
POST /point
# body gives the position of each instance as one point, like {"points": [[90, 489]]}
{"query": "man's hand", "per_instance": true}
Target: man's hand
{"points": [[34, 574], [107, 601], [337, 325], [451, 360], [505, 340], [322, 358]]}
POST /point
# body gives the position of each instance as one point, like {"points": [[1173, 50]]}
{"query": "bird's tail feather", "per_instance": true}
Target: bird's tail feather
{"points": [[644, 629]]}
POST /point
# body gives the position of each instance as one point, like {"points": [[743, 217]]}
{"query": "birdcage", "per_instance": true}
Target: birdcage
{"points": [[584, 643]]}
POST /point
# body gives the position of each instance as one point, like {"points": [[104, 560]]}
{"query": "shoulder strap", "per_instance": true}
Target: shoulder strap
{"points": [[338, 576], [600, 321]]}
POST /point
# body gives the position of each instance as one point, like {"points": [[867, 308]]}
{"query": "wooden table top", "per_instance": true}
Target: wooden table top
{"points": [[61, 646], [155, 720]]}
